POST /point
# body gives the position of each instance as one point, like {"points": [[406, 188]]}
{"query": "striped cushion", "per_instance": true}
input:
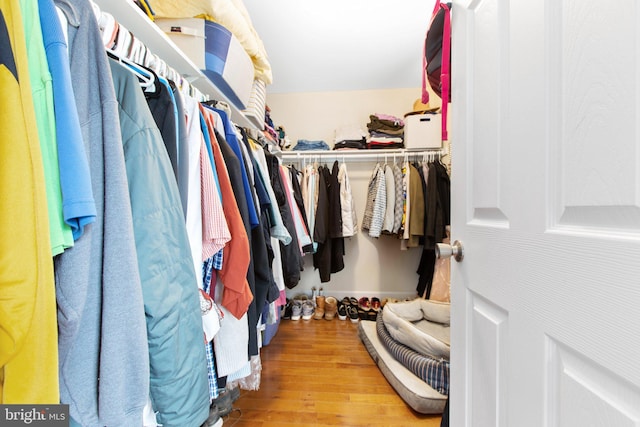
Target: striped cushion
{"points": [[434, 372]]}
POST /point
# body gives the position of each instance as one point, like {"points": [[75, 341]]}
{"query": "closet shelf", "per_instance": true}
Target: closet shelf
{"points": [[359, 155], [129, 15]]}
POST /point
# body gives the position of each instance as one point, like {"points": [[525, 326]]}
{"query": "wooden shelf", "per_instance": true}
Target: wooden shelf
{"points": [[134, 20]]}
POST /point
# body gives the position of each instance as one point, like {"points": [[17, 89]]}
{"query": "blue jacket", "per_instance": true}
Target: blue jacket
{"points": [[179, 382]]}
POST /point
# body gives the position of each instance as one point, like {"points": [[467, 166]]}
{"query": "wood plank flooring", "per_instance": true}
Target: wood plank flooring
{"points": [[318, 373]]}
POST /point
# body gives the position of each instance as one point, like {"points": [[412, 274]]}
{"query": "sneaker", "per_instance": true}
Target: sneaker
{"points": [[296, 310], [342, 312], [307, 310], [352, 312]]}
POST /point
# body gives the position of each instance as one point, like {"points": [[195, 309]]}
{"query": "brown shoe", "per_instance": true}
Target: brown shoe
{"points": [[330, 308], [320, 305]]}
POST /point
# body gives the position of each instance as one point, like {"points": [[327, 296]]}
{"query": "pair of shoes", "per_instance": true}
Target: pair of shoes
{"points": [[352, 312], [330, 308], [320, 303], [296, 309], [364, 303], [369, 304], [307, 309]]}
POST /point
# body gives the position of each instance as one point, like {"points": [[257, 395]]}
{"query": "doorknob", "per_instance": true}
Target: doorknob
{"points": [[456, 250]]}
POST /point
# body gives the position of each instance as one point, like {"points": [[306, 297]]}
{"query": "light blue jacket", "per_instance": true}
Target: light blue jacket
{"points": [[179, 382]]}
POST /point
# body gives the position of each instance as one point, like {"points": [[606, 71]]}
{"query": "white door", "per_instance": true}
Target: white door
{"points": [[546, 199]]}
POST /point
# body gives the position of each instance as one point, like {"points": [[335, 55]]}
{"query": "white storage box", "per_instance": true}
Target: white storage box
{"points": [[215, 51], [423, 130]]}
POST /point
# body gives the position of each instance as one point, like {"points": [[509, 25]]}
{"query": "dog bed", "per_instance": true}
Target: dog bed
{"points": [[413, 390], [422, 325]]}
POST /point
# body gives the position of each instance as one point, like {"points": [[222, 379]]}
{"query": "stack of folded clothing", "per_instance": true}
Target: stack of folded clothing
{"points": [[306, 145], [350, 138], [385, 131]]}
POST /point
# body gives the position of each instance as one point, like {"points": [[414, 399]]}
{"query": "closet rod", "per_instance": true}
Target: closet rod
{"points": [[358, 155]]}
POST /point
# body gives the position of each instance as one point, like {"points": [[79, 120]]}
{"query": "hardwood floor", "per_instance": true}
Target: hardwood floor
{"points": [[318, 373]]}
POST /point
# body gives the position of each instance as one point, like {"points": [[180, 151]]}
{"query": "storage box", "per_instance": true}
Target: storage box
{"points": [[423, 130], [215, 51]]}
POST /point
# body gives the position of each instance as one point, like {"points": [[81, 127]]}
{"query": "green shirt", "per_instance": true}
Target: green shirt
{"points": [[42, 91]]}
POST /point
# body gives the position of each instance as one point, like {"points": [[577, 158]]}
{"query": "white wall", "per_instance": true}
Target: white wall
{"points": [[373, 267]]}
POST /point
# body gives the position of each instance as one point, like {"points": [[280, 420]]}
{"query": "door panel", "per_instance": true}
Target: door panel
{"points": [[546, 199], [593, 115], [585, 390], [489, 30], [487, 356]]}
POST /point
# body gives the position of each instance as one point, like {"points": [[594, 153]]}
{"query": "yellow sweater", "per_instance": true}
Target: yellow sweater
{"points": [[28, 328]]}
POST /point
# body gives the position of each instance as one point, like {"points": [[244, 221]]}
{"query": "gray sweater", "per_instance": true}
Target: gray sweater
{"points": [[104, 358]]}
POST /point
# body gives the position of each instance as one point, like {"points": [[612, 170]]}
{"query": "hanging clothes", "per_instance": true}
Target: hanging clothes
{"points": [[78, 205], [329, 257], [389, 212], [178, 382], [290, 254], [28, 334], [104, 356], [42, 91], [347, 204]]}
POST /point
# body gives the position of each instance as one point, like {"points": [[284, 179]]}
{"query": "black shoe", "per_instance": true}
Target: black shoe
{"points": [[214, 419], [223, 403], [342, 312], [288, 310], [353, 314]]}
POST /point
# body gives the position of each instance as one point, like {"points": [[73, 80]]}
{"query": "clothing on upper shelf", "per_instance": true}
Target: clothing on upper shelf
{"points": [[385, 131]]}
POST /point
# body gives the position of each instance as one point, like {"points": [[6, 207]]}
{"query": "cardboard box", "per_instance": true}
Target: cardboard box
{"points": [[215, 51]]}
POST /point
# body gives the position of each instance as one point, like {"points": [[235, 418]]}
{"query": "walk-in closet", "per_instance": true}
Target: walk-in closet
{"points": [[199, 245]]}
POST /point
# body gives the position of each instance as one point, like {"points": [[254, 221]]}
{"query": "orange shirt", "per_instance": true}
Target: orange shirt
{"points": [[237, 295]]}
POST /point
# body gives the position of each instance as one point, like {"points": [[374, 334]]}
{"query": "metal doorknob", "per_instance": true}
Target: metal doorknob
{"points": [[456, 250]]}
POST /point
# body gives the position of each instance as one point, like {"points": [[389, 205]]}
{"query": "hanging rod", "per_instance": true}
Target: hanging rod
{"points": [[358, 155]]}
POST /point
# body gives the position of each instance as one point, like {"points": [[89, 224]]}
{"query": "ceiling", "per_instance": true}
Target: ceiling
{"points": [[337, 45]]}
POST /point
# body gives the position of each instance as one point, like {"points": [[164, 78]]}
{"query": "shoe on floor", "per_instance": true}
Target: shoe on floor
{"points": [[352, 312], [342, 312], [330, 308], [222, 404], [307, 309], [287, 310], [296, 310]]}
